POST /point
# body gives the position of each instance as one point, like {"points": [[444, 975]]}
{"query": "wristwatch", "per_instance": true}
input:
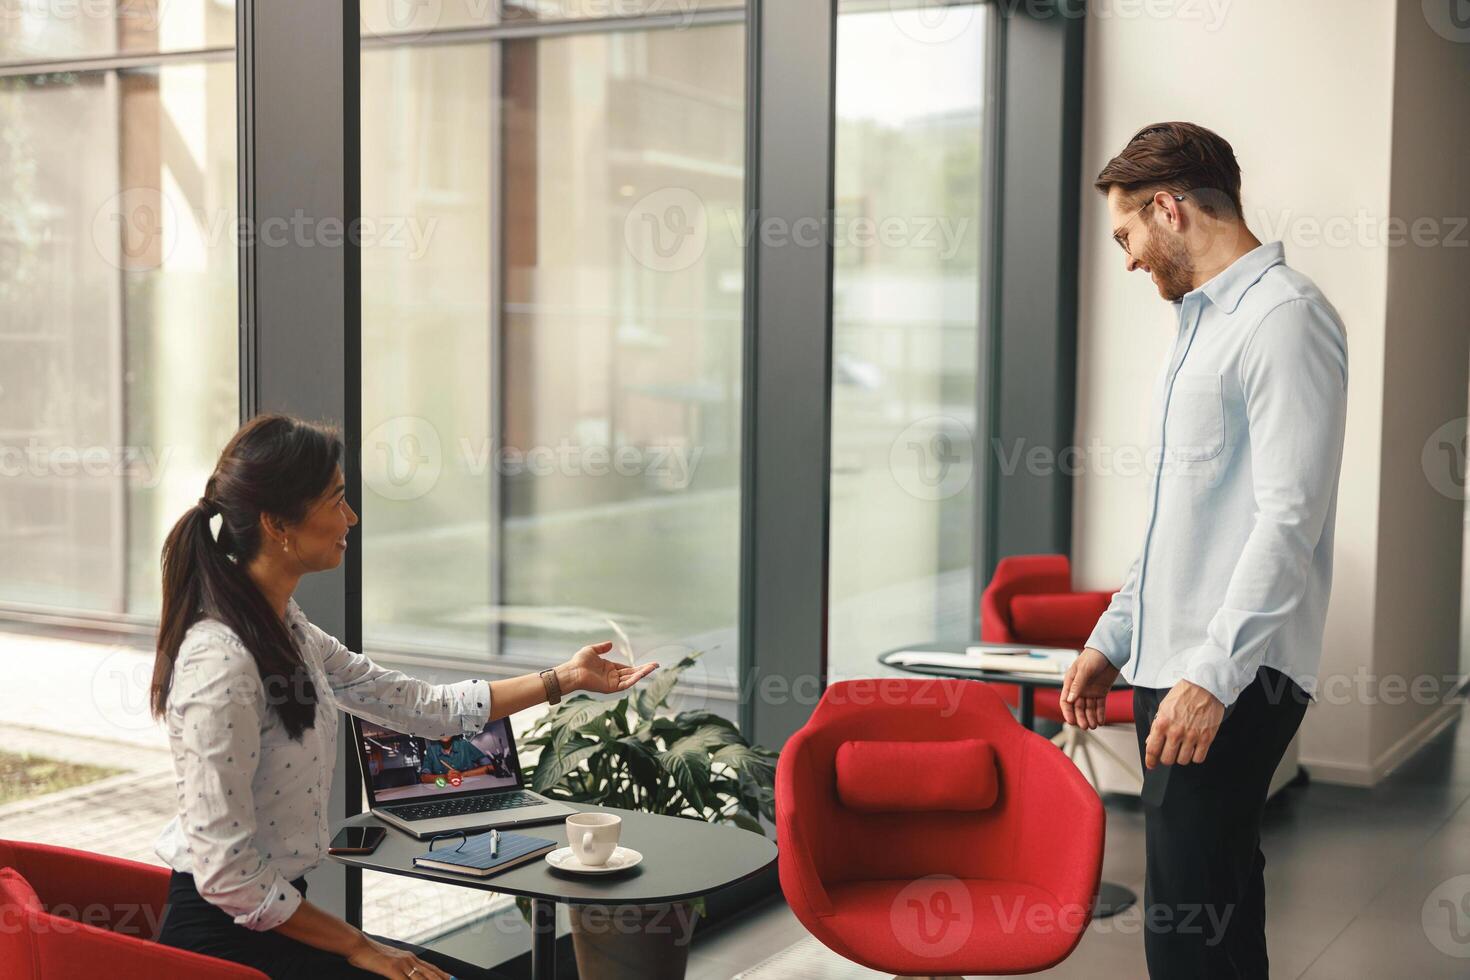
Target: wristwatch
{"points": [[552, 685]]}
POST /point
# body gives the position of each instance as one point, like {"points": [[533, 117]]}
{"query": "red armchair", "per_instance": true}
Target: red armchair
{"points": [[1030, 600], [68, 913], [923, 831]]}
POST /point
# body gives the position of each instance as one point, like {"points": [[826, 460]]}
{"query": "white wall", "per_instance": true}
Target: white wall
{"points": [[1304, 90], [1421, 518]]}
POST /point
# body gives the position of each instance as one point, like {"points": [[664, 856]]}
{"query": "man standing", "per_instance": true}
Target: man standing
{"points": [[1219, 620]]}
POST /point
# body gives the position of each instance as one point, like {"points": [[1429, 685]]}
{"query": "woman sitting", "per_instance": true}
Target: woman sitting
{"points": [[249, 691]]}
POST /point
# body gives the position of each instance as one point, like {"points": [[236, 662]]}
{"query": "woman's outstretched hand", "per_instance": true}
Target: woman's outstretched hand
{"points": [[588, 670]]}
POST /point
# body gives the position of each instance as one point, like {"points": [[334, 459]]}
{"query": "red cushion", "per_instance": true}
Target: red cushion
{"points": [[16, 891], [1065, 619], [890, 777]]}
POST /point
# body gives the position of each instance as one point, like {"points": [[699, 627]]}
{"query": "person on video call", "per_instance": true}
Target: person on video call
{"points": [[249, 690], [1219, 620], [452, 756]]}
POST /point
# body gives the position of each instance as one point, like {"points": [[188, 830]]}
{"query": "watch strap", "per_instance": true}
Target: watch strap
{"points": [[552, 685]]}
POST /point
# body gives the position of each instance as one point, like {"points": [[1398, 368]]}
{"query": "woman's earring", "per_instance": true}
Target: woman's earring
{"points": [[285, 545]]}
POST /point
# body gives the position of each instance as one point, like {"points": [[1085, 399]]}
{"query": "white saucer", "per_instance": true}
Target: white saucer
{"points": [[623, 858]]}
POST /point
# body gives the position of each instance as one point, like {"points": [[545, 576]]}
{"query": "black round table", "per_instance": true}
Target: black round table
{"points": [[682, 858], [1112, 898]]}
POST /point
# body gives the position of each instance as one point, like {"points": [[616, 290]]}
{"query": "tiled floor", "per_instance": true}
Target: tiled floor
{"points": [[1354, 881]]}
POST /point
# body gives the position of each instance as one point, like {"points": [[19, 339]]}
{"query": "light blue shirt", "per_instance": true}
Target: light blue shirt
{"points": [[1236, 564]]}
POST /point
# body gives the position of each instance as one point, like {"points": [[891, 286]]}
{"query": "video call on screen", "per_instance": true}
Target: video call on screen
{"points": [[406, 766]]}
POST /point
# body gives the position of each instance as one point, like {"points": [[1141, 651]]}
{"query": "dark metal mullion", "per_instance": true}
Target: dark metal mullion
{"points": [[244, 198], [352, 397], [300, 296], [746, 660], [1034, 359], [787, 407], [983, 556]]}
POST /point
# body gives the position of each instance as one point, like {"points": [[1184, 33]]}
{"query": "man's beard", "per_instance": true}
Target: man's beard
{"points": [[1168, 260]]}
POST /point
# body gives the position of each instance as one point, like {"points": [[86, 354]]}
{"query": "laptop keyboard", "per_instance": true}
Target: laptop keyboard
{"points": [[463, 805]]}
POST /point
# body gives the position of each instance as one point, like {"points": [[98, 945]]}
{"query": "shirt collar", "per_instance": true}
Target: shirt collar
{"points": [[294, 615], [1231, 284]]}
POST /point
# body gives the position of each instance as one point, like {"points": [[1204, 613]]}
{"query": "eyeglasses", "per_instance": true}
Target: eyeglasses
{"points": [[1121, 238]]}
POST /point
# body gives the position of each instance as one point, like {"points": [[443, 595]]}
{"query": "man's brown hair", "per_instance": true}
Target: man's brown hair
{"points": [[1179, 157]]}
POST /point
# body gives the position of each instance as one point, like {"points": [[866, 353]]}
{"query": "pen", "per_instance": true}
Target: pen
{"points": [[494, 843]]}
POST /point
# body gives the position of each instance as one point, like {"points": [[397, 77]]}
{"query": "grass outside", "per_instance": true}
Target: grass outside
{"points": [[24, 777]]}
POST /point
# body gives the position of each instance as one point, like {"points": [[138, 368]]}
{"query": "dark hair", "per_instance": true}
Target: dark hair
{"points": [[1179, 157], [273, 465]]}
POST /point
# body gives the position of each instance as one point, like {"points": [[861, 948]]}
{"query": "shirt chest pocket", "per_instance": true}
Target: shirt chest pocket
{"points": [[1195, 430]]}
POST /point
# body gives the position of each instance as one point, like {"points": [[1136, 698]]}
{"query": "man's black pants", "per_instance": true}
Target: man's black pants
{"points": [[1205, 887]]}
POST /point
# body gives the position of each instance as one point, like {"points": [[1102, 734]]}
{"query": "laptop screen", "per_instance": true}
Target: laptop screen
{"points": [[401, 767]]}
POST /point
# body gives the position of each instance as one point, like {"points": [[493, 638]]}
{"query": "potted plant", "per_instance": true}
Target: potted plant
{"points": [[632, 752]]}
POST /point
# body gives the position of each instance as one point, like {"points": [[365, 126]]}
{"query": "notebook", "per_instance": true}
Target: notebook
{"points": [[474, 857]]}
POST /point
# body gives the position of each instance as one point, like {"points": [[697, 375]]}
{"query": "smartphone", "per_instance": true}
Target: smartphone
{"points": [[357, 840]]}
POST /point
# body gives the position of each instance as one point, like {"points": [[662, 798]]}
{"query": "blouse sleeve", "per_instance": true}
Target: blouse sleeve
{"points": [[217, 705], [395, 700]]}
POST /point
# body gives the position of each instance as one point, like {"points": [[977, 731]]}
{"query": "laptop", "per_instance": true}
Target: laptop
{"points": [[429, 786]]}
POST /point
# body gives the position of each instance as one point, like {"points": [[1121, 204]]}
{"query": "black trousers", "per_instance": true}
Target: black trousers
{"points": [[190, 922], [1205, 886]]}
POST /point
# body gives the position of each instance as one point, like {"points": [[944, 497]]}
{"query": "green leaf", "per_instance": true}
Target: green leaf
{"points": [[689, 720], [652, 694], [746, 822], [744, 759], [551, 771], [687, 761]]}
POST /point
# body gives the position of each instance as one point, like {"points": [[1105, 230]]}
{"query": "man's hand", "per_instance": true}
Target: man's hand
{"points": [[1085, 689], [1188, 719]]}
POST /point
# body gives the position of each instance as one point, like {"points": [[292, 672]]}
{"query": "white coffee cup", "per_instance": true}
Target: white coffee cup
{"points": [[594, 836]]}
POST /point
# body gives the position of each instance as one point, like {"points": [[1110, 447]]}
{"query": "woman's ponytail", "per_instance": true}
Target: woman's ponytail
{"points": [[274, 465]]}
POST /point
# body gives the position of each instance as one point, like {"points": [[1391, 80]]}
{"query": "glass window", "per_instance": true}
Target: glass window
{"points": [[53, 30], [118, 387], [552, 294], [551, 397], [909, 106], [119, 364]]}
